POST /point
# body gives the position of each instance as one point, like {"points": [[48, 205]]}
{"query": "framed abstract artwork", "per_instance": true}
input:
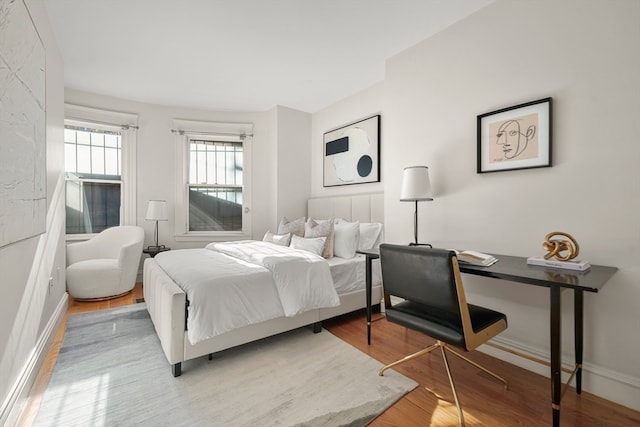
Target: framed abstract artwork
{"points": [[23, 167], [517, 137], [352, 153]]}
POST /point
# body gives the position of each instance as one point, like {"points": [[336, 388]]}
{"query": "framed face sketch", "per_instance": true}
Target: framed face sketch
{"points": [[517, 137], [352, 153]]}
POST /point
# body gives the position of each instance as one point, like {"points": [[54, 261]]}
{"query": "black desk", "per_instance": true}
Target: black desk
{"points": [[516, 269]]}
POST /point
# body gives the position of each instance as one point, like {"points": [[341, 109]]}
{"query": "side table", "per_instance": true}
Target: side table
{"points": [[152, 251], [370, 255]]}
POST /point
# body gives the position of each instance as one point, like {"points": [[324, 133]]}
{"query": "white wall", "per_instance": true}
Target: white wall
{"points": [[29, 307], [586, 56], [293, 162]]}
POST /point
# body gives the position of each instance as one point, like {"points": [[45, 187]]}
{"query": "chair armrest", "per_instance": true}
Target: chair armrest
{"points": [[133, 250], [79, 251]]}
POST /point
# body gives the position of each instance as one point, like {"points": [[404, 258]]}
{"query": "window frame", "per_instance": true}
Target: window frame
{"points": [[126, 124], [185, 131]]}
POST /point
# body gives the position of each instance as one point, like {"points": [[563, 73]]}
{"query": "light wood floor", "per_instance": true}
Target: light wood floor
{"points": [[483, 399]]}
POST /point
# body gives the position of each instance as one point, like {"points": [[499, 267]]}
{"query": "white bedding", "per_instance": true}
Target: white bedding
{"points": [[349, 274], [303, 279], [227, 292]]}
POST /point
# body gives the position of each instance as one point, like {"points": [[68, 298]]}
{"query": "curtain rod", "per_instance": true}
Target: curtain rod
{"points": [[182, 132], [120, 125]]}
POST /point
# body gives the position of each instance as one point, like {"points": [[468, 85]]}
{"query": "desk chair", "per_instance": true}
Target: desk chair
{"points": [[430, 283]]}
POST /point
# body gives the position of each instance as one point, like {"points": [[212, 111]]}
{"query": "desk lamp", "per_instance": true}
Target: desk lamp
{"points": [[156, 211], [416, 188]]}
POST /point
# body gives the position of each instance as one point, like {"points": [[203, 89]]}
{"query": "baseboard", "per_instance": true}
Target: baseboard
{"points": [[620, 388], [14, 404], [602, 382]]}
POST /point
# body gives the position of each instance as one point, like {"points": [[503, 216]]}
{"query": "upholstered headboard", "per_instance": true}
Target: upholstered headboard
{"points": [[360, 207]]}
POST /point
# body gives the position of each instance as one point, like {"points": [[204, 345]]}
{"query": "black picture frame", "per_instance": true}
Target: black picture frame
{"points": [[517, 137], [351, 153]]}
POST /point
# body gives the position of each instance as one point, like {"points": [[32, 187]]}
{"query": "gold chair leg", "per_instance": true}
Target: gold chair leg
{"points": [[409, 357], [444, 348], [482, 368], [453, 387]]}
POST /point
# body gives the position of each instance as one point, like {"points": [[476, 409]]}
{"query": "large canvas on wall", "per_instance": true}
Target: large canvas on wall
{"points": [[23, 195], [352, 153]]}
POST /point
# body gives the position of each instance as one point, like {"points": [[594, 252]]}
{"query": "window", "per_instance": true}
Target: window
{"points": [[215, 186], [213, 192], [100, 173], [93, 179]]}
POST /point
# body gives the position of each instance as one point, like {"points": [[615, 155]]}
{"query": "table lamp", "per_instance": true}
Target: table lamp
{"points": [[156, 211], [416, 188]]}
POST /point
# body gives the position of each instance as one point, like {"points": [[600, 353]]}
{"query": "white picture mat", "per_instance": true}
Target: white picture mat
{"points": [[344, 168], [543, 112]]}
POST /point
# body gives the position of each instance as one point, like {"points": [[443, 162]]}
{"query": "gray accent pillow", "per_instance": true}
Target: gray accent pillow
{"points": [[313, 245], [278, 239], [319, 228], [294, 227]]}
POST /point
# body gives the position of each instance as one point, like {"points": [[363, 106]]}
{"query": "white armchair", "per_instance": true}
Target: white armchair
{"points": [[106, 265]]}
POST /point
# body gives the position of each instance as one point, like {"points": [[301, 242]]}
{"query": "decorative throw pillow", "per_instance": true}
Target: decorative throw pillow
{"points": [[278, 239], [314, 245], [346, 239], [294, 227], [314, 228], [369, 235]]}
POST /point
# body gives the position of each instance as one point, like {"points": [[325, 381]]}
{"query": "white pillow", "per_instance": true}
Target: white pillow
{"points": [[369, 235], [294, 227], [321, 228], [315, 244], [278, 239], [347, 237]]}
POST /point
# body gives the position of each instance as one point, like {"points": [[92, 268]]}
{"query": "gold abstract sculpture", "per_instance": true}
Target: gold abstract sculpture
{"points": [[561, 249]]}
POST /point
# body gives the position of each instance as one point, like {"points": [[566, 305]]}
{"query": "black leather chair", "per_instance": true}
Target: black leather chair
{"points": [[429, 281]]}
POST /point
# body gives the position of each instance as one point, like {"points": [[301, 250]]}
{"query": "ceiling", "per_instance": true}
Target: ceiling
{"points": [[240, 55]]}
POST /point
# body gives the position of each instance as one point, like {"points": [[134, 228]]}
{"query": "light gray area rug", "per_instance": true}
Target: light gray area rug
{"points": [[111, 372]]}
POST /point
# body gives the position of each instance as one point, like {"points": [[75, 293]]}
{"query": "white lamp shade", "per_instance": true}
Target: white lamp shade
{"points": [[157, 211], [415, 184]]}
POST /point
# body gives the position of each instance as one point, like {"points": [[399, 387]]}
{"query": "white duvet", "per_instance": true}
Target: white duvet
{"points": [[230, 285]]}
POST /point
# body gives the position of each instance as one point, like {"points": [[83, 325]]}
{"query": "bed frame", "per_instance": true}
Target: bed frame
{"points": [[167, 303]]}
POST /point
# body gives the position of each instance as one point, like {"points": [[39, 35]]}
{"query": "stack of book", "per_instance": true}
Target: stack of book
{"points": [[476, 258], [569, 265]]}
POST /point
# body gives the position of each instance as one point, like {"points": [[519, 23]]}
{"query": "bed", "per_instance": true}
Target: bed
{"points": [[169, 307]]}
